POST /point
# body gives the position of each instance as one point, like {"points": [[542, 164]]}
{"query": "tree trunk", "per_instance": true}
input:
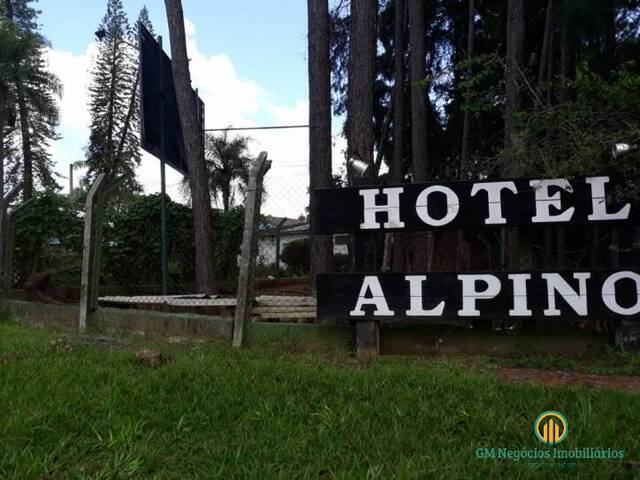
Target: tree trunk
{"points": [[111, 108], [4, 100], [226, 198], [27, 161], [566, 62], [320, 121], [466, 128], [361, 77], [417, 75], [25, 133], [193, 141], [4, 116], [129, 117], [550, 67], [397, 166], [384, 138], [609, 38], [463, 247], [514, 61], [360, 140], [545, 53]]}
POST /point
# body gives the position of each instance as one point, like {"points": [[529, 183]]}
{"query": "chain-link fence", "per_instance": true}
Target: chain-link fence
{"points": [[43, 249], [44, 240], [282, 277]]}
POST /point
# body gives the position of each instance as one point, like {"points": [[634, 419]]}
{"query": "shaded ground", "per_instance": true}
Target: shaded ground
{"points": [[283, 286], [569, 378]]}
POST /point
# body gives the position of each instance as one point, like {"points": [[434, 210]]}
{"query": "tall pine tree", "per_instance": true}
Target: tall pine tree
{"points": [[34, 89], [113, 143], [132, 120], [144, 19]]}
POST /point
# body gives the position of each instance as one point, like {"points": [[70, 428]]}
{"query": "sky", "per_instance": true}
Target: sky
{"points": [[248, 60]]}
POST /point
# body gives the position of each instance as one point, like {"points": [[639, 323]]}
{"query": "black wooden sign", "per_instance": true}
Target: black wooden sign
{"points": [[555, 295], [160, 129], [469, 204]]}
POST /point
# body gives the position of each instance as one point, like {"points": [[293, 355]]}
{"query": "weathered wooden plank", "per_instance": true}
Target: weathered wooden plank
{"points": [[169, 300], [285, 300], [89, 251], [285, 315], [283, 309], [248, 249], [367, 338]]}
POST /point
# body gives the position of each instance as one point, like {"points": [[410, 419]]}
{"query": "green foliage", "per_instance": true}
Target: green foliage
{"points": [[229, 228], [131, 248], [34, 90], [48, 238], [228, 162], [482, 93], [574, 138], [296, 255], [113, 143], [132, 242], [13, 48]]}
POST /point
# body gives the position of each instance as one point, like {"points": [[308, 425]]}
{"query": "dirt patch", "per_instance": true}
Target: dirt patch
{"points": [[151, 358], [283, 286], [566, 378], [11, 357]]}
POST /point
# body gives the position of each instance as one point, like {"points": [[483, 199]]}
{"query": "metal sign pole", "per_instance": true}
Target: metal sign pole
{"points": [[163, 187]]}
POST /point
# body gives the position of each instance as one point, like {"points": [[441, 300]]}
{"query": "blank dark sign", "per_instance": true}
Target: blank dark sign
{"points": [[553, 295], [471, 204], [158, 97]]}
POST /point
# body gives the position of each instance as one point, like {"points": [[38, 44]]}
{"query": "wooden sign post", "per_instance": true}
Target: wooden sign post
{"points": [[364, 249]]}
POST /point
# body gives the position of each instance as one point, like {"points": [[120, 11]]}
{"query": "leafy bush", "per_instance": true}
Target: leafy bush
{"points": [[48, 238], [229, 227], [132, 243], [297, 254], [574, 138]]}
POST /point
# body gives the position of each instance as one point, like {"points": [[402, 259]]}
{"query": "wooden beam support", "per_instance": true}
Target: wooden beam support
{"points": [[248, 251], [91, 251]]}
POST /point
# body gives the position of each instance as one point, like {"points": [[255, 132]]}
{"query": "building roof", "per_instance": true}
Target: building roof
{"points": [[288, 226]]}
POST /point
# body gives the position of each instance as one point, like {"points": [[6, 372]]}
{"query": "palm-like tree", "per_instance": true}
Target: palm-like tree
{"points": [[228, 162], [13, 50]]}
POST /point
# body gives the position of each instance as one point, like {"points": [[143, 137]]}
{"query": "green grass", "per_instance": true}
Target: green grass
{"points": [[213, 412]]}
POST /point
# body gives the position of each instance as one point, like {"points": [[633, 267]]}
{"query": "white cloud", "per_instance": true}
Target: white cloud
{"points": [[73, 72], [230, 99]]}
